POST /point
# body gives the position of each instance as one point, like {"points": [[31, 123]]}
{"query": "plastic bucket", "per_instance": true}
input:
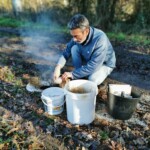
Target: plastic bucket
{"points": [[123, 107], [53, 99], [80, 101]]}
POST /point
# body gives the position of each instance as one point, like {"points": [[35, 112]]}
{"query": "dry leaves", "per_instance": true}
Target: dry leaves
{"points": [[23, 121]]}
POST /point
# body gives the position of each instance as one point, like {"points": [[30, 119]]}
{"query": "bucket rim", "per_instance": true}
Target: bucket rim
{"points": [[81, 80], [78, 94], [50, 88], [81, 94], [124, 98], [55, 97], [56, 88]]}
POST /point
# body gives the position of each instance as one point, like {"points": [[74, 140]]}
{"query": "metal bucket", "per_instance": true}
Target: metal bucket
{"points": [[123, 107]]}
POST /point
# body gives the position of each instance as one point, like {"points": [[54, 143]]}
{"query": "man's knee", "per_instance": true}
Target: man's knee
{"points": [[93, 79], [99, 76]]}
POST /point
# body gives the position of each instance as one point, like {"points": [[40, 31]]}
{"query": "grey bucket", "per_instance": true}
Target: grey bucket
{"points": [[122, 108]]}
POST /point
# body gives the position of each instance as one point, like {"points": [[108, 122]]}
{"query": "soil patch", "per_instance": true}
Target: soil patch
{"points": [[24, 124]]}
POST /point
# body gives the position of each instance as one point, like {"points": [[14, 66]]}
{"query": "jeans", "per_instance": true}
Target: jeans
{"points": [[98, 76]]}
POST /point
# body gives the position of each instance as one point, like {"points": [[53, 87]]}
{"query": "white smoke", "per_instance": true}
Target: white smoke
{"points": [[42, 49]]}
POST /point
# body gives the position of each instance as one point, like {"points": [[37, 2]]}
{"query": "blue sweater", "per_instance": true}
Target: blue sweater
{"points": [[97, 50]]}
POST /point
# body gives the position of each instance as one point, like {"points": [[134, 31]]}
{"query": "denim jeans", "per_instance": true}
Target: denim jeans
{"points": [[98, 76]]}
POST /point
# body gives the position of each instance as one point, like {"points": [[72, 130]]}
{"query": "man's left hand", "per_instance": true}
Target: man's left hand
{"points": [[66, 76]]}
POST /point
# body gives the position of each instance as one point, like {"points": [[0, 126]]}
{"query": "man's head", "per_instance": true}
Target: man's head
{"points": [[79, 28]]}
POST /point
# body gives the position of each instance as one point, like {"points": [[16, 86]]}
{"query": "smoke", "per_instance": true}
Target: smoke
{"points": [[42, 46]]}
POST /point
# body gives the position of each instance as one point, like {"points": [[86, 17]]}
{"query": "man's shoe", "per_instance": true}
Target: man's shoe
{"points": [[102, 86], [102, 92]]}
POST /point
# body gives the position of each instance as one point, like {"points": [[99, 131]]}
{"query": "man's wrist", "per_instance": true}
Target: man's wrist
{"points": [[61, 61], [58, 66], [71, 75]]}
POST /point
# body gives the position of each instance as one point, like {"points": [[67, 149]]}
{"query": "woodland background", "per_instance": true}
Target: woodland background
{"points": [[129, 16]]}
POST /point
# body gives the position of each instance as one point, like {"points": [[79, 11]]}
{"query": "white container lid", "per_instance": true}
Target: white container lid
{"points": [[117, 89], [53, 92]]}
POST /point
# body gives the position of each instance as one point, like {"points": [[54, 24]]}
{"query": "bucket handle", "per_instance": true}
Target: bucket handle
{"points": [[54, 106]]}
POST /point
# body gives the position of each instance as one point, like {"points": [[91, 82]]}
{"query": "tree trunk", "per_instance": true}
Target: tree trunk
{"points": [[17, 7]]}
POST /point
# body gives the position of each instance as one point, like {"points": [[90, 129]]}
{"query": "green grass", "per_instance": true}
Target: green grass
{"points": [[104, 135], [9, 22], [53, 27], [15, 23], [8, 76], [135, 38]]}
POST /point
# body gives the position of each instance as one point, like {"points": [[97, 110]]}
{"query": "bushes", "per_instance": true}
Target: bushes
{"points": [[129, 16]]}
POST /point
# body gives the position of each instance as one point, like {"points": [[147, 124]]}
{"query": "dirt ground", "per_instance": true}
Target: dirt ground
{"points": [[25, 124]]}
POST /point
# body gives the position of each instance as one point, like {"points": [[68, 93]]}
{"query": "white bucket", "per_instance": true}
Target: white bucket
{"points": [[53, 99], [81, 106]]}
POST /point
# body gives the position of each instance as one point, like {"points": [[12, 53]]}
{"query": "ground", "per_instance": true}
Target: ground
{"points": [[25, 125]]}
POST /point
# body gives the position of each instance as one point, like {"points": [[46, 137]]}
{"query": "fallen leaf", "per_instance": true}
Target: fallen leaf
{"points": [[12, 130]]}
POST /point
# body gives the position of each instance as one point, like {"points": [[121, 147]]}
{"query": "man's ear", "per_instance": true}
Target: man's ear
{"points": [[87, 30]]}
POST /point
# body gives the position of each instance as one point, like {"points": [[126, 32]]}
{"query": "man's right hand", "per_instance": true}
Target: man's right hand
{"points": [[56, 72]]}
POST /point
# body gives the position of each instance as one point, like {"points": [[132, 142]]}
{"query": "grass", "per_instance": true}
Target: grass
{"points": [[53, 27], [8, 76], [14, 137], [135, 38], [10, 22], [15, 23], [104, 135]]}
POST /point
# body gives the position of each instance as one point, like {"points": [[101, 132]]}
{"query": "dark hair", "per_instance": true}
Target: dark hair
{"points": [[78, 21]]}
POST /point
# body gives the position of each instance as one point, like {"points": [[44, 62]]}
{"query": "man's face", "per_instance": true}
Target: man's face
{"points": [[79, 35]]}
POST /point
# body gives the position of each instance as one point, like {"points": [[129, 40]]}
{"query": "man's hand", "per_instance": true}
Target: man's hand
{"points": [[66, 76], [56, 72]]}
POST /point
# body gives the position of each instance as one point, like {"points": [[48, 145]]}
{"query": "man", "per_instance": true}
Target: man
{"points": [[92, 54]]}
